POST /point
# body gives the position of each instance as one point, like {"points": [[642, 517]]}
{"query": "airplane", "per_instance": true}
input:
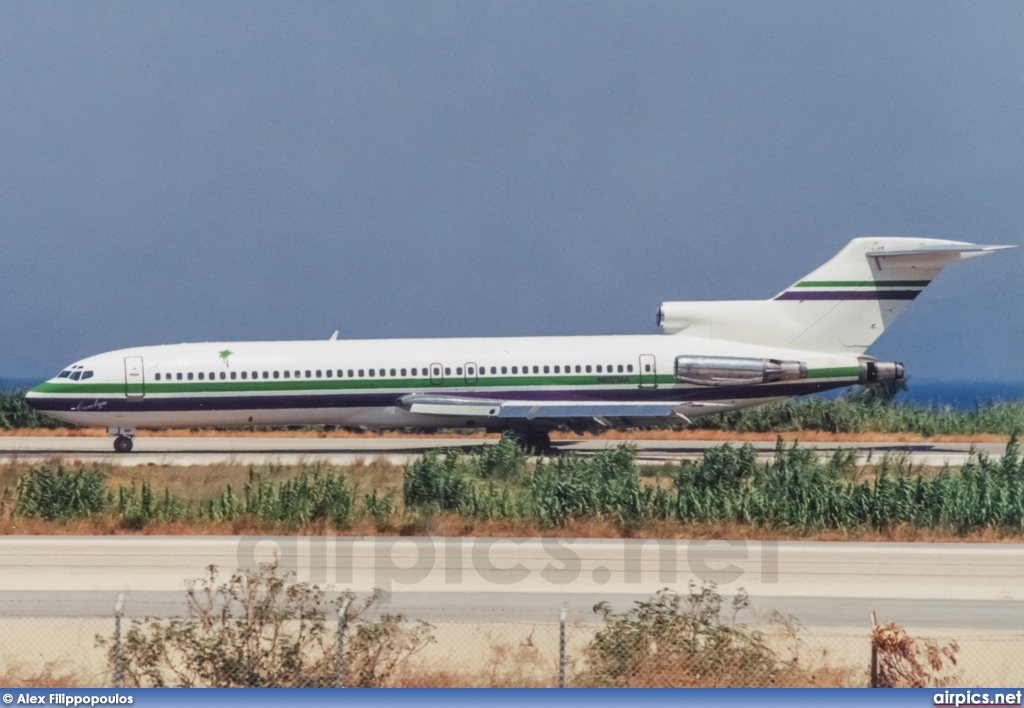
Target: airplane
{"points": [[711, 357]]}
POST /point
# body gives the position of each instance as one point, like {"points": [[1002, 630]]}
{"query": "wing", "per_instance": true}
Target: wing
{"points": [[429, 404]]}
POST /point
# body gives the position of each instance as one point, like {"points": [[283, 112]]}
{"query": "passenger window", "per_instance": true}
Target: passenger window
{"points": [[599, 368], [350, 373], [414, 371], [545, 369], [620, 368], [515, 369], [245, 374], [403, 372], [557, 369], [577, 368], [458, 371], [266, 374], [329, 373], [392, 372], [179, 376], [494, 370], [588, 368], [629, 368], [361, 373], [201, 375], [447, 371], [647, 367], [309, 374], [504, 370], [233, 375], [190, 376], [157, 377], [277, 374], [372, 372]]}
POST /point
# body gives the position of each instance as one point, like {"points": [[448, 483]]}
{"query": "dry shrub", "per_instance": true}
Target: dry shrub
{"points": [[53, 674], [673, 640], [905, 662], [260, 630]]}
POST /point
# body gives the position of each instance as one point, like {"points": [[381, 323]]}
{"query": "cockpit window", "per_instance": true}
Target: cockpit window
{"points": [[64, 374], [76, 375], [86, 375]]}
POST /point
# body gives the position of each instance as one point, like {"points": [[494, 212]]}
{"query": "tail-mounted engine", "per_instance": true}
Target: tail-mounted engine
{"points": [[736, 371], [871, 371]]}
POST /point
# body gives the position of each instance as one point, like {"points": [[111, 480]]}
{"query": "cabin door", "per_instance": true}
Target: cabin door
{"points": [[648, 371], [134, 377]]}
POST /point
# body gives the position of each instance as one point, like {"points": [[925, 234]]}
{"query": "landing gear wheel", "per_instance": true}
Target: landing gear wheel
{"points": [[122, 443], [535, 442]]}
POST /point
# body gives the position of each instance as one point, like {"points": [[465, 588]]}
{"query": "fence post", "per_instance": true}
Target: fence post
{"points": [[339, 659], [561, 647], [118, 660], [874, 653]]}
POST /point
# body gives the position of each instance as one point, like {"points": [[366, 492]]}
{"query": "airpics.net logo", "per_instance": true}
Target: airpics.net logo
{"points": [[538, 564], [966, 699]]}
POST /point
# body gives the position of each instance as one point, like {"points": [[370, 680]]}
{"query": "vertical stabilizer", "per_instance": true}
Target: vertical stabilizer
{"points": [[843, 306]]}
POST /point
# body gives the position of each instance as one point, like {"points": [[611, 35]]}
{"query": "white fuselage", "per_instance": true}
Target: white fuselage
{"points": [[360, 382]]}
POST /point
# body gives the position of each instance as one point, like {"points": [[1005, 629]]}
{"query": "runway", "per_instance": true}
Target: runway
{"points": [[977, 586], [251, 450]]}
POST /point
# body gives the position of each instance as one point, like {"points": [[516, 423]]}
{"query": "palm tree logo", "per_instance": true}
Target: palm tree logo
{"points": [[224, 355]]}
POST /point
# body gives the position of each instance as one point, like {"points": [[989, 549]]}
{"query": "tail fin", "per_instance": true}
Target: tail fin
{"points": [[843, 306]]}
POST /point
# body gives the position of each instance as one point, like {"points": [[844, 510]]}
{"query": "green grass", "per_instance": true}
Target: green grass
{"points": [[16, 413], [868, 410], [795, 492]]}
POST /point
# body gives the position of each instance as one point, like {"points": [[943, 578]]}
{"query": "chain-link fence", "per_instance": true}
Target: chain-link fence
{"points": [[381, 649]]}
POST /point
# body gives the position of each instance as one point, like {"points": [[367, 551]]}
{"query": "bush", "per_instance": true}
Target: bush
{"points": [[318, 494], [259, 630], [681, 640], [436, 480], [16, 413], [61, 494]]}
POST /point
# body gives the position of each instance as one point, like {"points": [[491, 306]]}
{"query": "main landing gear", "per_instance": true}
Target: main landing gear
{"points": [[536, 442]]}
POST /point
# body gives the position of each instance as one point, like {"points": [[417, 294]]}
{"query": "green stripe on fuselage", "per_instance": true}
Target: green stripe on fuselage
{"points": [[862, 283]]}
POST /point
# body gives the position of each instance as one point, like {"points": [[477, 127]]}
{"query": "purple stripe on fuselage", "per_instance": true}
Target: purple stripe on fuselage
{"points": [[371, 400], [848, 295]]}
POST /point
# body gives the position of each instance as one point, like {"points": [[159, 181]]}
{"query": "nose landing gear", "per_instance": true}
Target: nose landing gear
{"points": [[123, 441]]}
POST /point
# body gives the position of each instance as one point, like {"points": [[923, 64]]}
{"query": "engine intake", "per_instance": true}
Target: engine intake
{"points": [[736, 371]]}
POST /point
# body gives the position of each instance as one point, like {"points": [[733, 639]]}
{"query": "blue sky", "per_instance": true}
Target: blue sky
{"points": [[223, 170]]}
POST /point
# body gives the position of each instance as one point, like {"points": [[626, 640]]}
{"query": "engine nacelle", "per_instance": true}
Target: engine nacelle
{"points": [[871, 371], [736, 371]]}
